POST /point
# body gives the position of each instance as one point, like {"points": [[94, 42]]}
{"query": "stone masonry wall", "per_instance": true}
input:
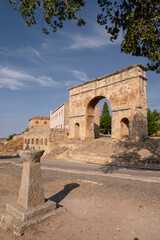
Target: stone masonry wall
{"points": [[66, 112], [37, 138], [56, 136], [43, 138]]}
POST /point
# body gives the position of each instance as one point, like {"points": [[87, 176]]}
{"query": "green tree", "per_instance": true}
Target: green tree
{"points": [[105, 109], [27, 129], [105, 123], [153, 122], [105, 119], [138, 20], [11, 136]]}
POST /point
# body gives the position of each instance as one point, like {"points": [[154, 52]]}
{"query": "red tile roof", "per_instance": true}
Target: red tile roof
{"points": [[41, 118]]}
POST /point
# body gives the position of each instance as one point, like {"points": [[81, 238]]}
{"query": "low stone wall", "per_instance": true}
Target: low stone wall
{"points": [[37, 138], [133, 160], [57, 135], [43, 138], [144, 153], [106, 151]]}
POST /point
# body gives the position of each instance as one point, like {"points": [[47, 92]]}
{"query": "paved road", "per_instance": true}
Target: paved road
{"points": [[93, 169]]}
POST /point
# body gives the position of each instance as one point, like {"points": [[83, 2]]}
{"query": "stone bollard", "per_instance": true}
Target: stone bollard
{"points": [[31, 193], [31, 207]]}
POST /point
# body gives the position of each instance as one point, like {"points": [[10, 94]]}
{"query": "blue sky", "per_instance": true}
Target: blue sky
{"points": [[36, 69]]}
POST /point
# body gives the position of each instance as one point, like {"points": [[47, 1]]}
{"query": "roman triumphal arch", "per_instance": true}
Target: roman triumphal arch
{"points": [[126, 92]]}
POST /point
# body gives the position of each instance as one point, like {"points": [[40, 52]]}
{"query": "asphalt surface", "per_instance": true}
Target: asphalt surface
{"points": [[138, 174]]}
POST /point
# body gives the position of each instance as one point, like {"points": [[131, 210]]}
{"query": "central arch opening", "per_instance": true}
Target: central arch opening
{"points": [[98, 118]]}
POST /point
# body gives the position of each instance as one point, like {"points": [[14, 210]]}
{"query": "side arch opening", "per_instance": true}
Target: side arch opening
{"points": [[125, 128]]}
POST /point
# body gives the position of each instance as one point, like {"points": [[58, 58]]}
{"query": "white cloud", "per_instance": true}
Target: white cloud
{"points": [[80, 75], [14, 80], [45, 81], [99, 38], [10, 83], [71, 83], [27, 52], [36, 53], [45, 44], [84, 41]]}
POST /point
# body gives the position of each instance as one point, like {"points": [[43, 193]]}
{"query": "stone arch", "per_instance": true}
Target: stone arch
{"points": [[125, 128], [77, 129], [126, 92]]}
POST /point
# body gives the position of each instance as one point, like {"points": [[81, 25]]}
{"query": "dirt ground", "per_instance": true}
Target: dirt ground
{"points": [[95, 207]]}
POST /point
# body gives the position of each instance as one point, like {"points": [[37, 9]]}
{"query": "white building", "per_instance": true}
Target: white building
{"points": [[59, 117]]}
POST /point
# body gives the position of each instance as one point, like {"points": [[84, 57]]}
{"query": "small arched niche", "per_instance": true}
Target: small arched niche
{"points": [[124, 128], [77, 126]]}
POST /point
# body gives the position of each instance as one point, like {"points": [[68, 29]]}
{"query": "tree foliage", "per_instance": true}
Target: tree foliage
{"points": [[11, 136], [105, 109], [105, 120], [138, 20], [105, 124], [55, 12], [153, 122]]}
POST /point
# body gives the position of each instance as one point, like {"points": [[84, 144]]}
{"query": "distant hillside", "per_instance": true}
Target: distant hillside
{"points": [[10, 148]]}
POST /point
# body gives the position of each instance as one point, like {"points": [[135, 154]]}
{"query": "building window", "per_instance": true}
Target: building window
{"points": [[37, 141], [37, 122], [45, 122], [41, 141], [28, 141], [45, 141], [25, 141], [32, 141]]}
